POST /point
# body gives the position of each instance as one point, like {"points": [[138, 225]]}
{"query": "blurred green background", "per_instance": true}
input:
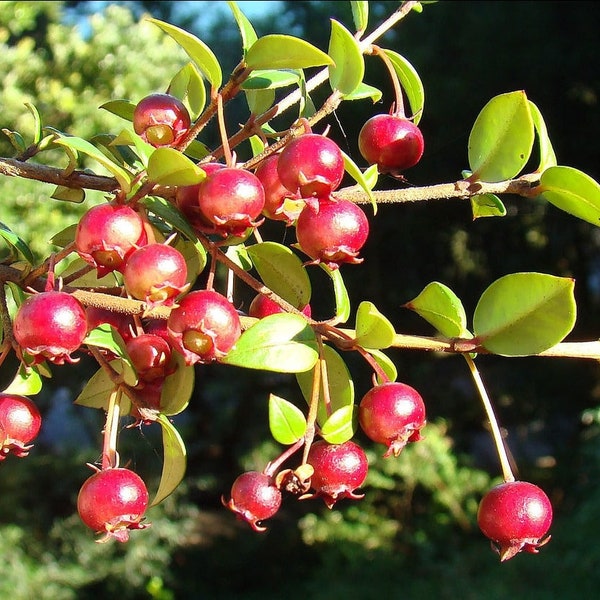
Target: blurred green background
{"points": [[414, 534]]}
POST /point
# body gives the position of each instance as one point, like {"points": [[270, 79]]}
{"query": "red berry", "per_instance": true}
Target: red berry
{"points": [[338, 470], [515, 516], [50, 325], [254, 498], [392, 142], [151, 356], [231, 200], [156, 274], [120, 321], [107, 234], [20, 423], [161, 120], [392, 414], [333, 233], [262, 306], [204, 326], [311, 165], [112, 502]]}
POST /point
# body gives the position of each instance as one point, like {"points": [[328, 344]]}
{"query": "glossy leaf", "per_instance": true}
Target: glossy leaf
{"points": [[38, 130], [501, 139], [286, 421], [348, 69], [360, 15], [107, 337], [97, 391], [281, 271], [373, 330], [342, 300], [525, 313], [487, 205], [167, 166], [341, 426], [246, 30], [174, 460], [13, 240], [26, 382], [143, 150], [188, 86], [16, 140], [364, 91], [269, 79], [278, 51], [352, 169], [411, 84], [197, 50], [259, 101], [121, 108], [177, 388], [386, 363], [442, 308], [573, 191], [547, 155], [283, 343]]}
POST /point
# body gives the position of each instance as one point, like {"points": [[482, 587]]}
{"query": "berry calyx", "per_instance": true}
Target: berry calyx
{"points": [[254, 498], [204, 326], [339, 469], [20, 423], [161, 120], [393, 414], [392, 142], [112, 502], [332, 233], [515, 516], [50, 326], [262, 306]]}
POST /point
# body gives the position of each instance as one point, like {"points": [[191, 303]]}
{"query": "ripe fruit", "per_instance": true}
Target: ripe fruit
{"points": [[156, 274], [393, 414], [338, 470], [204, 326], [254, 498], [231, 200], [50, 325], [107, 234], [151, 356], [392, 142], [20, 423], [113, 501], [333, 233], [161, 120], [311, 165], [515, 516], [262, 306]]}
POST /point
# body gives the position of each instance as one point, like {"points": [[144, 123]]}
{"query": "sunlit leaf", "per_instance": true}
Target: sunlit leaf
{"points": [[174, 460], [246, 30], [360, 15], [547, 155], [341, 426], [373, 330], [363, 91], [278, 51], [121, 108], [348, 69], [188, 86], [342, 300], [269, 79], [177, 387], [487, 205], [167, 166], [97, 392], [352, 169], [16, 242], [387, 365], [26, 382], [286, 421], [411, 84]]}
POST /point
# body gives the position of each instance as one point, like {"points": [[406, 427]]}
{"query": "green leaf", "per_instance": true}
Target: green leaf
{"points": [[177, 387], [386, 364], [525, 313], [501, 139], [168, 166], [107, 337], [353, 170], [373, 330], [282, 272], [547, 155], [259, 101], [411, 84], [66, 194], [360, 15], [188, 86], [487, 205], [197, 50], [121, 108], [340, 386], [363, 91], [81, 145], [573, 191], [348, 70], [246, 30], [16, 242], [341, 426], [26, 382], [97, 391], [442, 308], [269, 79], [16, 140], [37, 123], [283, 343], [286, 421], [342, 300], [174, 460], [143, 150], [278, 51]]}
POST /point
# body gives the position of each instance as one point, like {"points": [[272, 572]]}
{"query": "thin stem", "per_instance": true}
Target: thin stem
{"points": [[399, 107], [311, 418], [110, 457]]}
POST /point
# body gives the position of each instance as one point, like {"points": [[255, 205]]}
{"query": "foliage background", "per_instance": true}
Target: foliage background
{"points": [[414, 532]]}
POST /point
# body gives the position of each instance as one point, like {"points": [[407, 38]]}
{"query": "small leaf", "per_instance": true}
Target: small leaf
{"points": [[66, 194], [121, 108], [269, 79], [353, 170], [197, 50], [547, 155], [341, 426], [286, 421], [246, 30], [97, 391], [143, 150], [16, 140], [501, 139], [363, 91], [525, 313], [177, 388], [26, 382], [107, 337], [282, 342], [348, 70], [411, 84], [188, 86], [373, 330], [277, 51], [37, 123], [487, 205], [17, 243], [386, 364], [573, 191], [342, 300], [360, 15], [442, 308], [168, 166], [259, 101], [174, 460]]}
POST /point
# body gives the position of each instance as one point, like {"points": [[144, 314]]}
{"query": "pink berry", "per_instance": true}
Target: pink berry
{"points": [[112, 502], [392, 142], [254, 498], [262, 306], [339, 469], [20, 423], [50, 325], [393, 414], [515, 516], [151, 356], [161, 120]]}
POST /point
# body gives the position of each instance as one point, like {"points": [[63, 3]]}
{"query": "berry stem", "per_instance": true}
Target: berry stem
{"points": [[398, 109], [110, 457], [311, 418]]}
